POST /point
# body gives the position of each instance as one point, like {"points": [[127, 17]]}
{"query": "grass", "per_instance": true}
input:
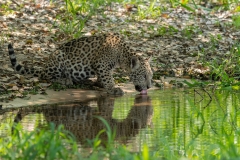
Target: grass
{"points": [[224, 71], [57, 143], [76, 13], [236, 21], [148, 12], [54, 143]]}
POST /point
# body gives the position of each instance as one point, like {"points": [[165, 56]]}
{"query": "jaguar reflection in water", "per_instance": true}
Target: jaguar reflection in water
{"points": [[81, 120]]}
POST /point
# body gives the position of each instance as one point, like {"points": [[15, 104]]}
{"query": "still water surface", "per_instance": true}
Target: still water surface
{"points": [[163, 118]]}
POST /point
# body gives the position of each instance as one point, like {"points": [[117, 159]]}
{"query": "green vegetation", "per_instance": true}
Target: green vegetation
{"points": [[76, 13], [118, 78], [54, 143], [227, 69], [57, 86], [236, 21], [57, 143], [145, 12], [5, 7], [224, 71]]}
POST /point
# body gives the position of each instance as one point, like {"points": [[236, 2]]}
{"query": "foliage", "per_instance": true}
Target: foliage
{"points": [[151, 11], [5, 7], [224, 70], [236, 21], [76, 13], [57, 86], [57, 143], [227, 69], [54, 143]]}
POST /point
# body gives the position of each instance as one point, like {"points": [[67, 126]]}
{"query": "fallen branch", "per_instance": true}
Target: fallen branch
{"points": [[15, 3]]}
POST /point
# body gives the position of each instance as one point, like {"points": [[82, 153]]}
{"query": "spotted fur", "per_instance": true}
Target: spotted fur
{"points": [[86, 57]]}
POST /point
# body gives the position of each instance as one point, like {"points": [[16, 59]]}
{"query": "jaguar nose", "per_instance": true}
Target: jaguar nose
{"points": [[138, 88], [148, 87]]}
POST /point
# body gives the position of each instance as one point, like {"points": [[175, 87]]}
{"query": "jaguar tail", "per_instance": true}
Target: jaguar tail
{"points": [[18, 67]]}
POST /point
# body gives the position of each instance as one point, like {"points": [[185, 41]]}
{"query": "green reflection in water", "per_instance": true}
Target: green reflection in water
{"points": [[193, 122], [122, 107]]}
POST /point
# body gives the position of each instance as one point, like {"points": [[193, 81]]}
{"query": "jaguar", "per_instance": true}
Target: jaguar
{"points": [[90, 56]]}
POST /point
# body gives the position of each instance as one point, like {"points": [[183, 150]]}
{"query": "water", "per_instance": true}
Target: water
{"points": [[178, 119]]}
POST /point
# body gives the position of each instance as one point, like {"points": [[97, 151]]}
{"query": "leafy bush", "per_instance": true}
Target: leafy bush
{"points": [[55, 143]]}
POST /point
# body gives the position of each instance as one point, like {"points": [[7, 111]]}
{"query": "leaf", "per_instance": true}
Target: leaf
{"points": [[14, 88], [164, 15], [29, 41], [184, 2], [38, 6], [188, 83], [187, 7], [235, 87], [19, 95]]}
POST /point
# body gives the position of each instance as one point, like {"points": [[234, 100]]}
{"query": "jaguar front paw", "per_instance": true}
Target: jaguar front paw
{"points": [[64, 81], [116, 91]]}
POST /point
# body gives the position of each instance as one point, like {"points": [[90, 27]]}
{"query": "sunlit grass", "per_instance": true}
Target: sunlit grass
{"points": [[54, 143], [76, 13], [57, 143]]}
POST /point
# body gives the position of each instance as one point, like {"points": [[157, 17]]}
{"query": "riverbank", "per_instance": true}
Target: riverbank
{"points": [[200, 44]]}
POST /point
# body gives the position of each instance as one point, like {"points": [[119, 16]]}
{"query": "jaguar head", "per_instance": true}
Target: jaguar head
{"points": [[141, 73]]}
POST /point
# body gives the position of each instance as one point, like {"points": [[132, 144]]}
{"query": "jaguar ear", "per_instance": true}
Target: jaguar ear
{"points": [[135, 63]]}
